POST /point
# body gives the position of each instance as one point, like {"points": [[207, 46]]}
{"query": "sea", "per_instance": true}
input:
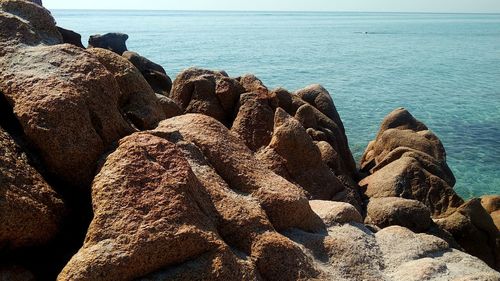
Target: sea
{"points": [[444, 68]]}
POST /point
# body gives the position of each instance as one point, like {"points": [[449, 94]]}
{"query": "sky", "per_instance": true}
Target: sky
{"points": [[438, 6]]}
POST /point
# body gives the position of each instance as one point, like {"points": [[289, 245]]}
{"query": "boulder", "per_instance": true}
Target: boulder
{"points": [[114, 42], [153, 73], [254, 122], [332, 212], [252, 84], [169, 107], [207, 92], [321, 99], [39, 2], [30, 210], [302, 158], [491, 204], [25, 22], [65, 100], [473, 228], [137, 101], [187, 211], [406, 178], [412, 214], [71, 37], [287, 101]]}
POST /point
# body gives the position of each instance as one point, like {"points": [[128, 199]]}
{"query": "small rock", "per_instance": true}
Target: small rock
{"points": [[114, 42]]}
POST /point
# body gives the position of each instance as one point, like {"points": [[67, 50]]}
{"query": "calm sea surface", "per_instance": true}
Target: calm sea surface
{"points": [[445, 68]]}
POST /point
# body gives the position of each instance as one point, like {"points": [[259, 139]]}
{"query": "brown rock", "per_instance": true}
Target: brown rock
{"points": [[206, 92], [412, 214], [321, 99], [71, 37], [302, 158], [30, 210], [153, 73], [146, 214], [64, 98], [137, 101], [52, 90], [26, 22], [474, 230], [169, 107], [284, 203], [114, 42], [407, 178], [287, 101], [254, 123], [252, 84], [491, 203], [332, 212]]}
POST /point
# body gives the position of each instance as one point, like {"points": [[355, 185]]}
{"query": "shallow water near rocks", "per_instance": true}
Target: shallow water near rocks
{"points": [[445, 68]]}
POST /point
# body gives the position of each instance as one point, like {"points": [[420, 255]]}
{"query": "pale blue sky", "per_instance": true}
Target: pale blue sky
{"points": [[461, 6]]}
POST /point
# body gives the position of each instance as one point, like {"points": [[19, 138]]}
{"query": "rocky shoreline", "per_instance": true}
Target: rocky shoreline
{"points": [[109, 170]]}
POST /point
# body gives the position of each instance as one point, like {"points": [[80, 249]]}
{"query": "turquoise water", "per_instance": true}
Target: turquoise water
{"points": [[445, 68]]}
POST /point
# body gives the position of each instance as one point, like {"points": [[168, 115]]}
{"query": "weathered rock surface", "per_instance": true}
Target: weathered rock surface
{"points": [[207, 92], [30, 210], [491, 204], [412, 214], [71, 37], [332, 212], [115, 42], [407, 160], [137, 100], [153, 73], [169, 107]]}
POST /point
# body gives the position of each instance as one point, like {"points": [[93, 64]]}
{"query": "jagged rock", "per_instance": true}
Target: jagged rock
{"points": [[30, 210], [473, 228], [332, 212], [412, 214], [114, 42], [181, 211], [407, 160], [208, 92], [27, 23], [254, 122], [491, 204], [302, 158], [287, 101], [137, 101], [252, 84], [71, 37], [64, 98], [169, 107], [320, 98], [154, 73]]}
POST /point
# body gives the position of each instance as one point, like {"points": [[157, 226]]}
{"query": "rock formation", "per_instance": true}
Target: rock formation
{"points": [[217, 178], [71, 37], [407, 160], [114, 42]]}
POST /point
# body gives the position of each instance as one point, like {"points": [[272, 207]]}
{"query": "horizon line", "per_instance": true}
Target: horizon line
{"points": [[274, 11]]}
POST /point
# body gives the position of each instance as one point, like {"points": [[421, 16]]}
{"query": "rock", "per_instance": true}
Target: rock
{"points": [[407, 178], [302, 158], [254, 122], [287, 101], [137, 101], [252, 84], [474, 230], [39, 2], [169, 107], [412, 214], [335, 212], [64, 98], [27, 23], [181, 211], [207, 92], [321, 99], [114, 42], [153, 73], [71, 37], [284, 203], [491, 203], [30, 210]]}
